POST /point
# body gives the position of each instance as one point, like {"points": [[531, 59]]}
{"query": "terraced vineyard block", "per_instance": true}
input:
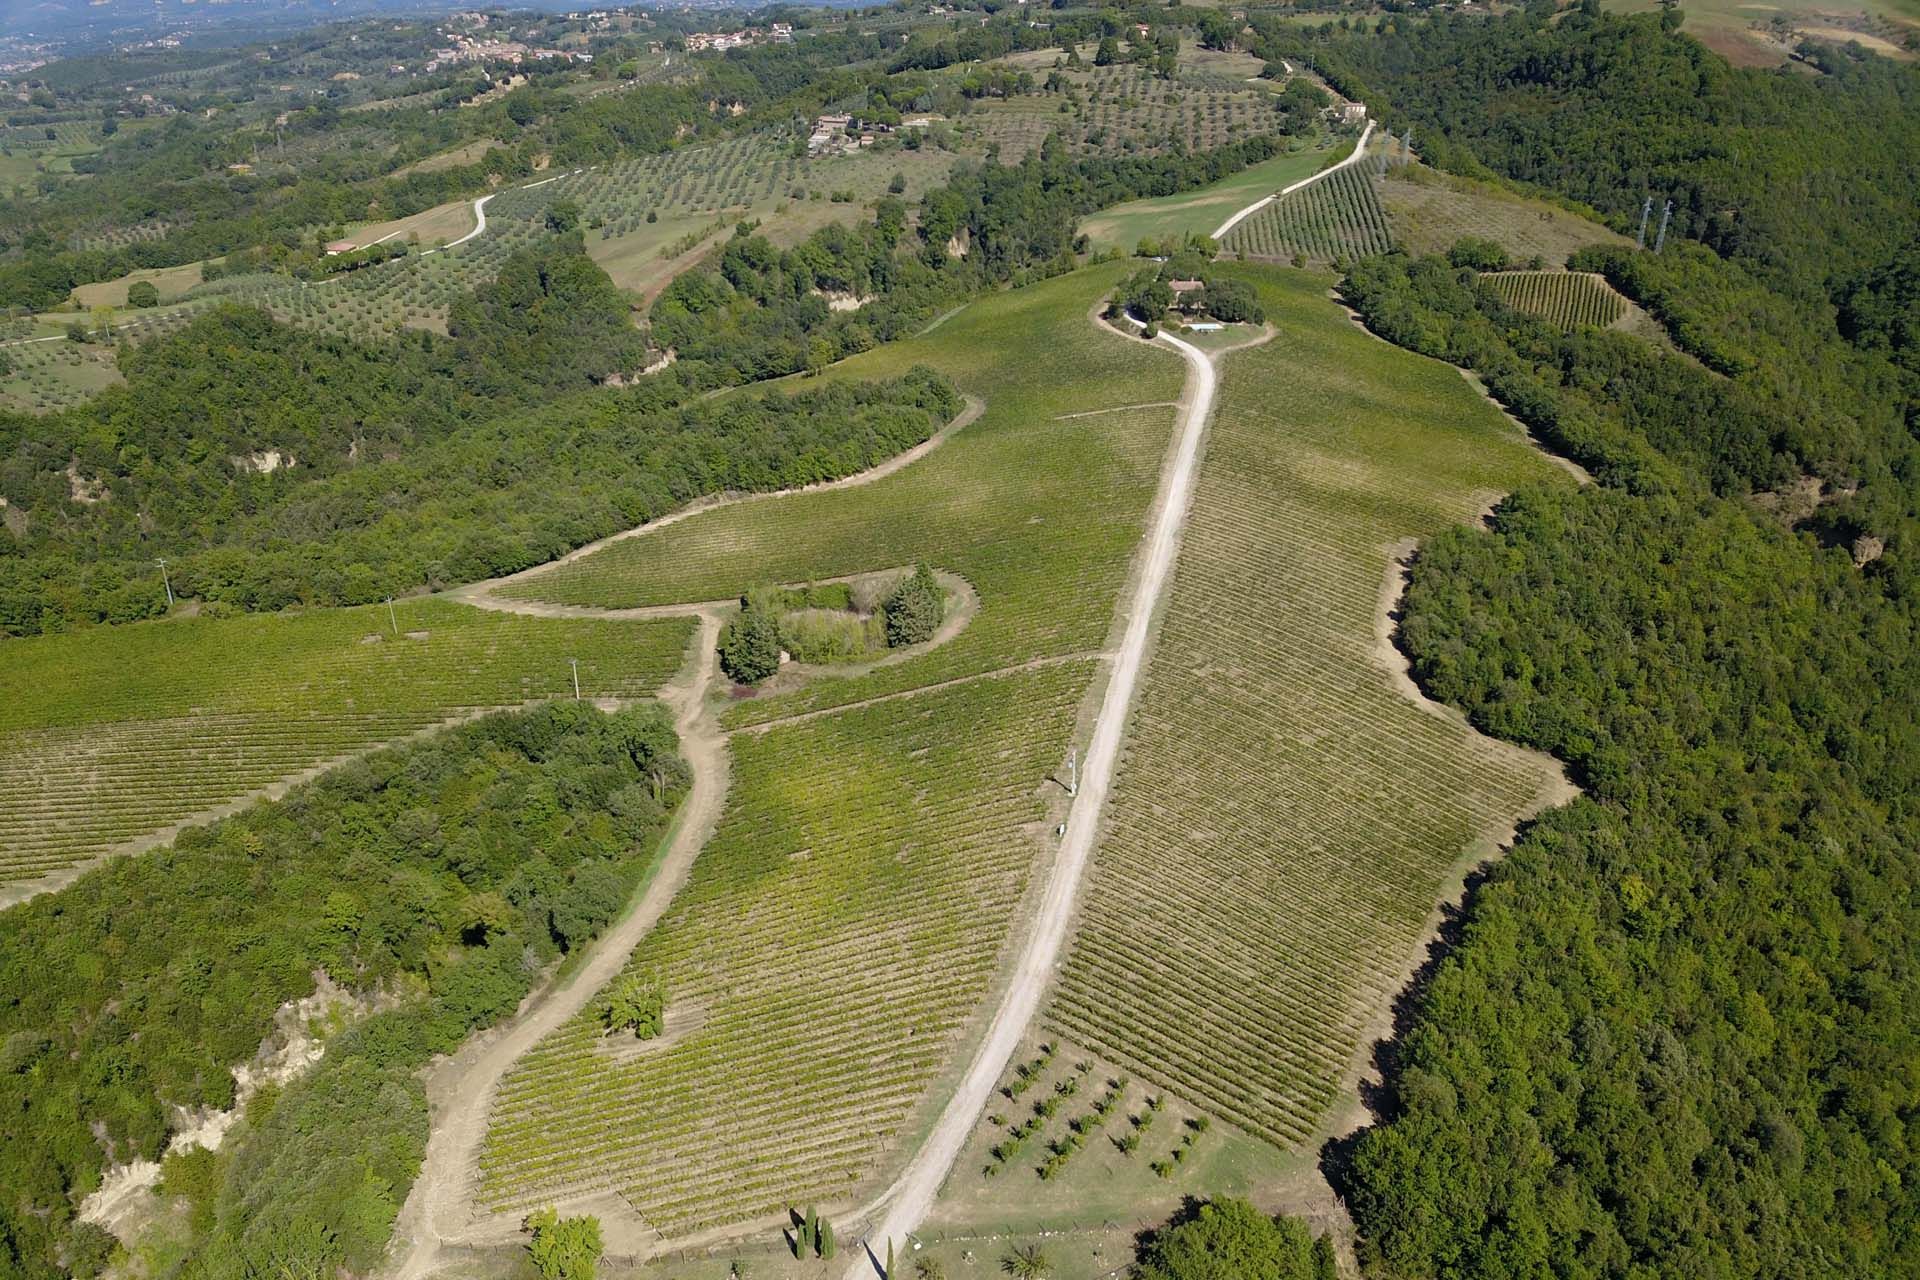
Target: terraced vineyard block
{"points": [[1569, 299], [1285, 820], [110, 734]]}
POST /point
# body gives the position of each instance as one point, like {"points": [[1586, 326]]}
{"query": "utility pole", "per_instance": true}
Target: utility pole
{"points": [[1666, 216], [393, 619], [575, 664], [1406, 146], [1646, 211], [167, 581], [1073, 772]]}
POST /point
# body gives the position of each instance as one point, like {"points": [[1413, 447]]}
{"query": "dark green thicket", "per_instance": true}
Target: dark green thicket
{"points": [[1673, 1037], [1676, 1035], [1228, 1239], [421, 464], [441, 876]]}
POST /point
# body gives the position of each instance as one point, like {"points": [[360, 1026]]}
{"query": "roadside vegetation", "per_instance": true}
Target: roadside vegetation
{"points": [[428, 885]]}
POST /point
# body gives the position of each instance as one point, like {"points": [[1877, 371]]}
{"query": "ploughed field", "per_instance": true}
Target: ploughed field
{"points": [[1285, 818], [844, 924]]}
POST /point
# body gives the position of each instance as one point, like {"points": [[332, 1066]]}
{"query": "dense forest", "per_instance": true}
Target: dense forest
{"points": [[432, 883], [417, 464], [1675, 1035]]}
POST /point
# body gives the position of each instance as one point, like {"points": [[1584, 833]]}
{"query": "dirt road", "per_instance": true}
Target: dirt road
{"points": [[1359, 149], [440, 1207], [905, 1205]]}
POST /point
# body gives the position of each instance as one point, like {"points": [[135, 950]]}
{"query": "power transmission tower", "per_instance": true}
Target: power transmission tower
{"points": [[1666, 216], [1646, 211]]}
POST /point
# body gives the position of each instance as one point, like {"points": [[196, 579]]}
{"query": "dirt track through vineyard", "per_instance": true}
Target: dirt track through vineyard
{"points": [[905, 1205], [440, 1209]]}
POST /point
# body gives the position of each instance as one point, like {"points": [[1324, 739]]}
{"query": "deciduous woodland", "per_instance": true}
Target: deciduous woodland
{"points": [[430, 883]]}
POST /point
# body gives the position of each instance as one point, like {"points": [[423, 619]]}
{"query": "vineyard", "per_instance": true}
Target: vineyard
{"points": [[840, 927], [1430, 210], [1340, 216], [1569, 299], [705, 189], [845, 920], [1258, 898], [110, 734], [1125, 110], [1200, 212]]}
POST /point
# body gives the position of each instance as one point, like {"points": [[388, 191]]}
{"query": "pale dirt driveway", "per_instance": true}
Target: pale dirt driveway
{"points": [[905, 1205], [1359, 149], [440, 1208]]}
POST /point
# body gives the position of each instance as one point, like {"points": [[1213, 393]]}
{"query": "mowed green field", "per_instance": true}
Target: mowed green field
{"points": [[112, 734], [844, 924], [1285, 818], [1199, 212]]}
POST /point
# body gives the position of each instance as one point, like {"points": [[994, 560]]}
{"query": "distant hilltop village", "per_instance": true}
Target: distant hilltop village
{"points": [[778, 33]]}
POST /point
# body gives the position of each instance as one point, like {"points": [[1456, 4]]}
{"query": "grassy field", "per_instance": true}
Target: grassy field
{"points": [[1046, 554], [172, 282], [845, 923], [110, 734], [1428, 211], [1286, 818], [439, 225], [1199, 212]]}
